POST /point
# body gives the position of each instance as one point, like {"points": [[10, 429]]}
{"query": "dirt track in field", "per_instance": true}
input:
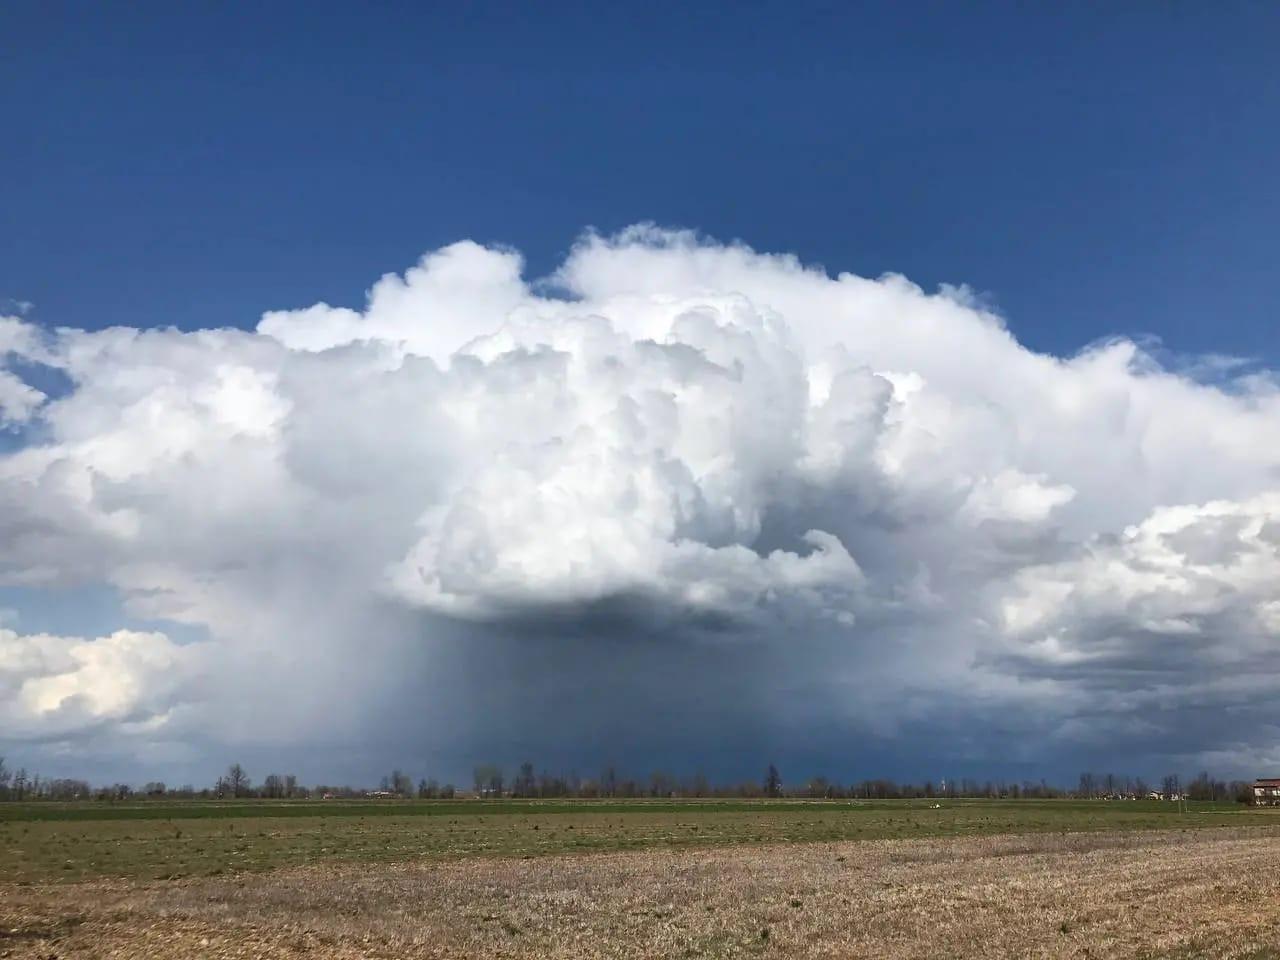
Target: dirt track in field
{"points": [[1211, 893]]}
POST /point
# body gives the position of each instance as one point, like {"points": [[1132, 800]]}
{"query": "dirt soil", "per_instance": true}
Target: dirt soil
{"points": [[1204, 893]]}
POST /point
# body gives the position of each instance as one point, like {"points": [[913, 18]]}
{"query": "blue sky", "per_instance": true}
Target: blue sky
{"points": [[1093, 169], [880, 536]]}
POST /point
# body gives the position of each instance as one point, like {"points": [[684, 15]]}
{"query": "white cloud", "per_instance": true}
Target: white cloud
{"points": [[1207, 574], [18, 401], [451, 296], [52, 685], [693, 430], [17, 336]]}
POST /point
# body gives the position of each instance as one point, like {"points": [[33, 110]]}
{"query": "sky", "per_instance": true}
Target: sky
{"points": [[874, 389]]}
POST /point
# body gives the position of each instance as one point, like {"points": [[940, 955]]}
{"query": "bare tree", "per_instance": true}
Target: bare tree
{"points": [[661, 784], [488, 780], [524, 784], [772, 782], [237, 781]]}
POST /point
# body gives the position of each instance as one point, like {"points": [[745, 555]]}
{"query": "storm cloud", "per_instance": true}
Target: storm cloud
{"points": [[677, 497]]}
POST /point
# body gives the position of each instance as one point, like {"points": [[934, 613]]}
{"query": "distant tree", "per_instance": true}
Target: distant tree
{"points": [[772, 782], [661, 784], [488, 780], [63, 789], [399, 782], [552, 786], [524, 784], [1205, 787], [236, 781], [5, 777]]}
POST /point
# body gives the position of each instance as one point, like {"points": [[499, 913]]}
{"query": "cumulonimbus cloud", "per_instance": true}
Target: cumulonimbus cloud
{"points": [[706, 432]]}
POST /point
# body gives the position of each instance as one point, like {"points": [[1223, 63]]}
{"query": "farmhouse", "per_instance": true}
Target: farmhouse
{"points": [[1266, 792]]}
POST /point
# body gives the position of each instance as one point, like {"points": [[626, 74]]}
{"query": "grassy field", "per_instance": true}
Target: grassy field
{"points": [[1173, 894], [160, 840], [597, 879]]}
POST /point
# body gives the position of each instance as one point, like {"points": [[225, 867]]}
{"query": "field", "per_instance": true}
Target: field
{"points": [[644, 878]]}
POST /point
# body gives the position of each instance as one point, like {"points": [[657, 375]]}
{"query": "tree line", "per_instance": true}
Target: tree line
{"points": [[492, 781], [1170, 787]]}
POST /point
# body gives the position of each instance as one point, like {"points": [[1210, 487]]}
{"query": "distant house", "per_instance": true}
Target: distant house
{"points": [[1266, 792]]}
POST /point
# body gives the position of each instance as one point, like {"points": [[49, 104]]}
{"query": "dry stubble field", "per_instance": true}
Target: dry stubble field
{"points": [[1056, 882]]}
